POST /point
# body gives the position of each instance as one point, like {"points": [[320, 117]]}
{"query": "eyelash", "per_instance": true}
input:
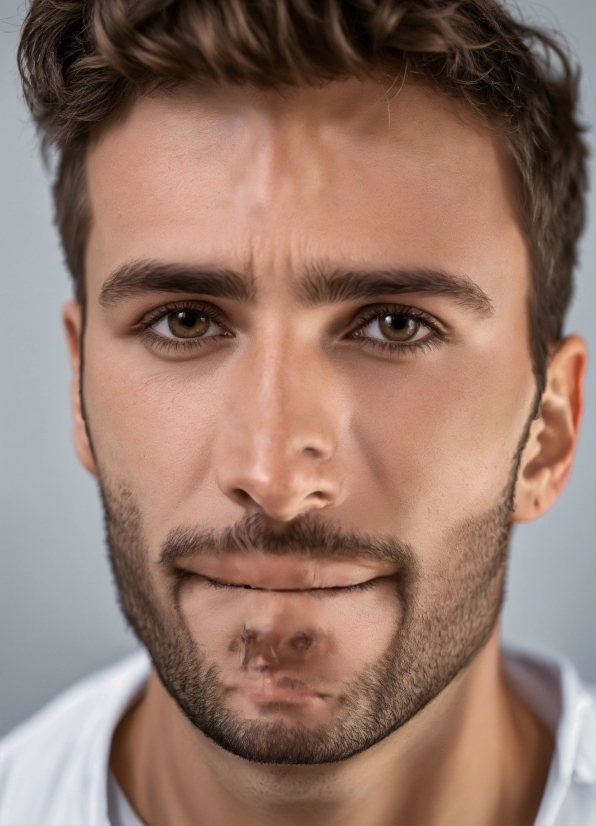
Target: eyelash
{"points": [[363, 319], [177, 344], [404, 348]]}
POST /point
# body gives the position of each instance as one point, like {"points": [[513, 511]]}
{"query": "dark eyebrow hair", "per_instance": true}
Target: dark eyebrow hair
{"points": [[146, 276], [318, 286], [328, 287]]}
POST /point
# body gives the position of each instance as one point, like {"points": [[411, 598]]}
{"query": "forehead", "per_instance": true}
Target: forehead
{"points": [[352, 172]]}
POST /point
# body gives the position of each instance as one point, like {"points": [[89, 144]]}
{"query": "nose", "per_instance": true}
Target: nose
{"points": [[278, 450], [278, 636]]}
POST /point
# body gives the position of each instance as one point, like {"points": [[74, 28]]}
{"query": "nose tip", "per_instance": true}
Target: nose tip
{"points": [[283, 502], [281, 458]]}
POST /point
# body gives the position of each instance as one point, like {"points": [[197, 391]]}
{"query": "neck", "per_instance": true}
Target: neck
{"points": [[474, 755]]}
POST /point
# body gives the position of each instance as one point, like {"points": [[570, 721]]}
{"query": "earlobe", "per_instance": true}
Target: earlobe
{"points": [[548, 456], [72, 318]]}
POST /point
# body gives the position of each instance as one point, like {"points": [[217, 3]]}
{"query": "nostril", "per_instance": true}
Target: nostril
{"points": [[242, 496], [302, 642], [318, 496]]}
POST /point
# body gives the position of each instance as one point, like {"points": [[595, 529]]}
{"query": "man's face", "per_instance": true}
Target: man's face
{"points": [[307, 379]]}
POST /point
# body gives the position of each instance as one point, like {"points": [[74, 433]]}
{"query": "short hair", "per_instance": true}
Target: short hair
{"points": [[82, 60]]}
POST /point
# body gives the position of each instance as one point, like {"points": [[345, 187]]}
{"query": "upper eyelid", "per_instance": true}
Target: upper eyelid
{"points": [[158, 313], [363, 318], [359, 319]]}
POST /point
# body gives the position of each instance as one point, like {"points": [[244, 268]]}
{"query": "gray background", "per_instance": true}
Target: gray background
{"points": [[58, 615]]}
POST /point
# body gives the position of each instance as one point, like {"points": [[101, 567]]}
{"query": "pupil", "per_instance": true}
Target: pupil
{"points": [[397, 322], [188, 323], [397, 327], [187, 318]]}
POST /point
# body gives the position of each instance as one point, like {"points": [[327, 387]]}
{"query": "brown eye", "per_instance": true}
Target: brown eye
{"points": [[397, 327], [188, 323]]}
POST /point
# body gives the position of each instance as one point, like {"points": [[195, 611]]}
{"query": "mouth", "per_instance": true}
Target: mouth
{"points": [[281, 627], [267, 691], [257, 571], [358, 586]]}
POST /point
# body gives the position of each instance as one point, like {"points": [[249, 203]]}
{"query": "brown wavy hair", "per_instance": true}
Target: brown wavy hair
{"points": [[82, 60]]}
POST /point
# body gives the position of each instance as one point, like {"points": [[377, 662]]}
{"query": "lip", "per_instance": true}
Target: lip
{"points": [[259, 571], [267, 690]]}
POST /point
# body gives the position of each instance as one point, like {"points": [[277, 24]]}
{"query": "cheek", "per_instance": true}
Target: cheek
{"points": [[439, 438], [152, 424]]}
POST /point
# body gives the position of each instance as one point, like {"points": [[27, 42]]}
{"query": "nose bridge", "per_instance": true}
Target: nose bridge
{"points": [[294, 411], [282, 434]]}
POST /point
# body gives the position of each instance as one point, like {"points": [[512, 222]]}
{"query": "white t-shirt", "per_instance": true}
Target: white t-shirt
{"points": [[54, 769]]}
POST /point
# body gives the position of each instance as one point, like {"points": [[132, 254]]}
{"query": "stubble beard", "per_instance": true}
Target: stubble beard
{"points": [[443, 625]]}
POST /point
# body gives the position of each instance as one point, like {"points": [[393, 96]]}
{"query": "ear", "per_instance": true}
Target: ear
{"points": [[72, 318], [548, 456]]}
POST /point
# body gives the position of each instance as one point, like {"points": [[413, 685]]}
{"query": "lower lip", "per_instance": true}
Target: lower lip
{"points": [[267, 691]]}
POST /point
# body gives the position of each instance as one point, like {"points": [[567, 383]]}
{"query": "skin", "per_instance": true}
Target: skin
{"points": [[289, 415]]}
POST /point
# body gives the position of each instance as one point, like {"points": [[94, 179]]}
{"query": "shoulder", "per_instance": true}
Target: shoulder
{"points": [[579, 805], [53, 768], [577, 760], [550, 686]]}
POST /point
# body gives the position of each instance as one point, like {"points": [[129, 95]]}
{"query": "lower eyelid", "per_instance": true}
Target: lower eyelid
{"points": [[432, 335], [427, 322], [429, 335]]}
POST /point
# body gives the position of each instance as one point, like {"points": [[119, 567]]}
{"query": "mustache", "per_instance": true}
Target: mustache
{"points": [[307, 535]]}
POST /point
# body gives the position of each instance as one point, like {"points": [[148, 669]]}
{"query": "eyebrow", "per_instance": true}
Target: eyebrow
{"points": [[319, 286], [322, 287], [140, 277]]}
